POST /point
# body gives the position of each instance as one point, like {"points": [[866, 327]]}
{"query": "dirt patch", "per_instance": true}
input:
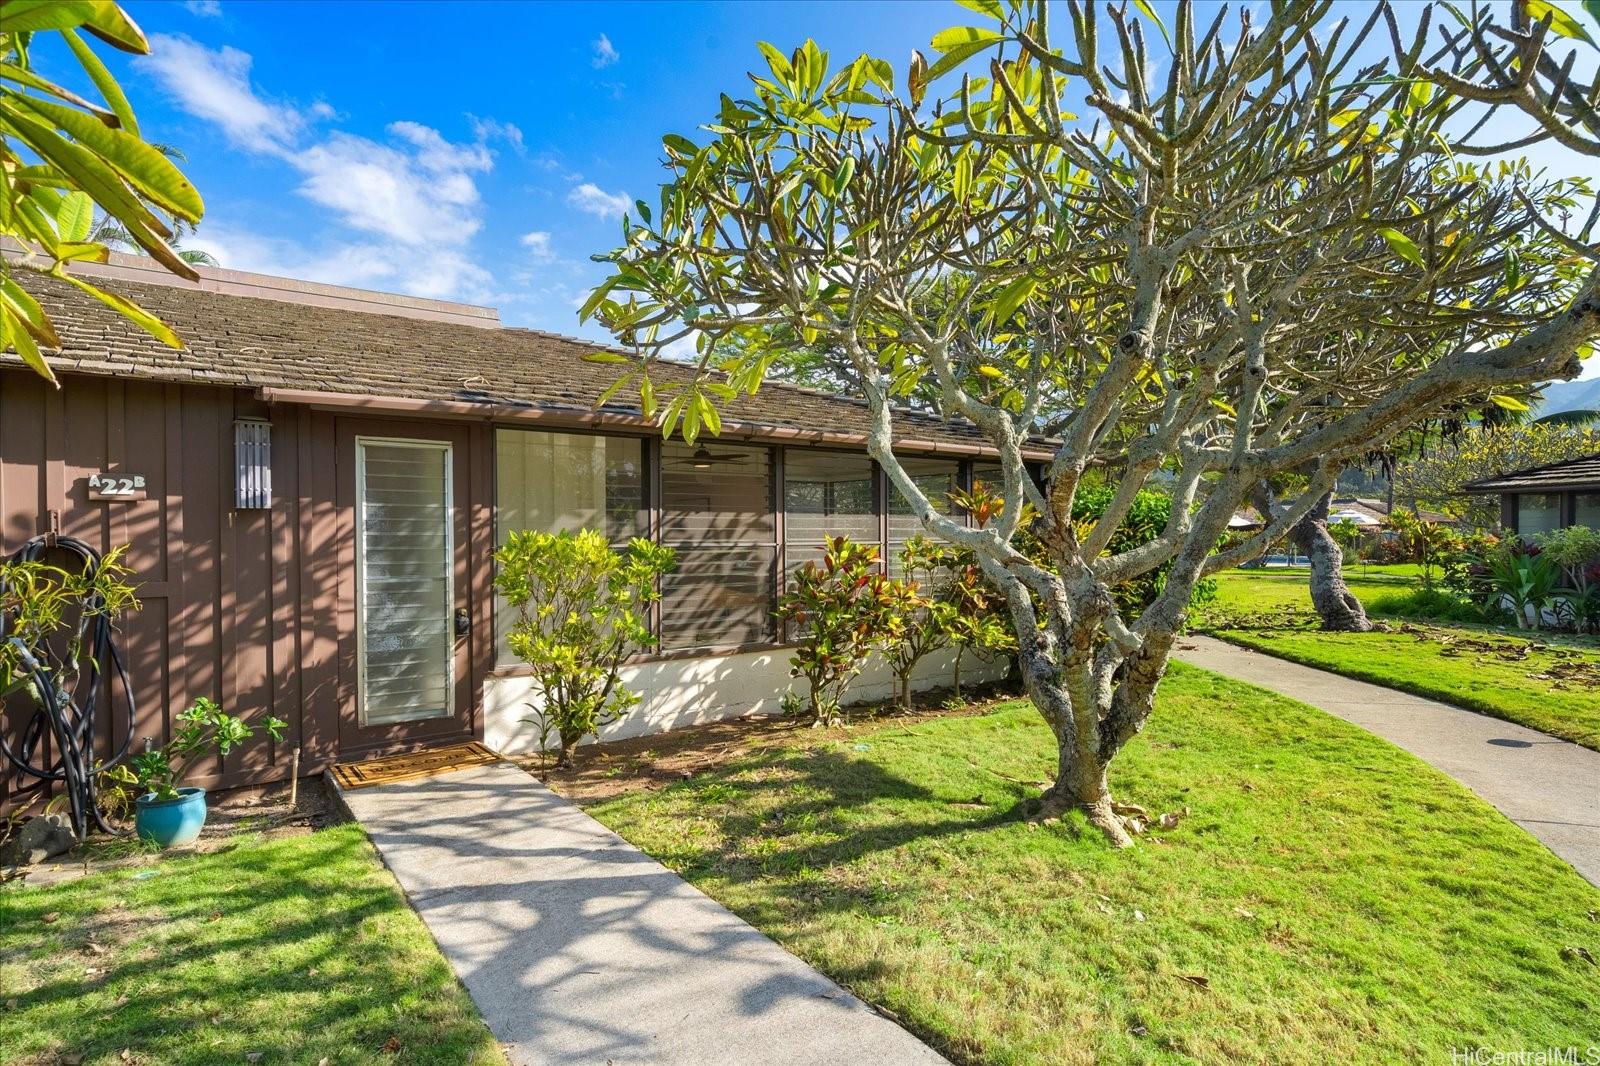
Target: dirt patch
{"points": [[644, 764]]}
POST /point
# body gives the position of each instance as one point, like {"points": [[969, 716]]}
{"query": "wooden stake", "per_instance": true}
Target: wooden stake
{"points": [[294, 780]]}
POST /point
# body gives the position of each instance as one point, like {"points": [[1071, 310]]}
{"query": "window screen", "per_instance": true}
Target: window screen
{"points": [[564, 482], [825, 494], [717, 513], [1588, 510], [937, 478], [1538, 512]]}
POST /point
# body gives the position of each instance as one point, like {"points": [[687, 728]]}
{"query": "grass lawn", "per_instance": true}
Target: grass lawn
{"points": [[298, 949], [1546, 682], [1329, 898], [1553, 688], [1289, 591]]}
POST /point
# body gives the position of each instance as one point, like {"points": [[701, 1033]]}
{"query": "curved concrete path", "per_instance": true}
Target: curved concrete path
{"points": [[579, 948], [1549, 787]]}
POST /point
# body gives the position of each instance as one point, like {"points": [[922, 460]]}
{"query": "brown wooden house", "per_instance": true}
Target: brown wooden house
{"points": [[313, 489], [1540, 499]]}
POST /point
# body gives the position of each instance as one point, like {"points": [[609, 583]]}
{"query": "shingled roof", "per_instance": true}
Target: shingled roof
{"points": [[1573, 474], [287, 350]]}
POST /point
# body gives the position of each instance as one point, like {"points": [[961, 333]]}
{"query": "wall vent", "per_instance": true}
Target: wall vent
{"points": [[252, 464]]}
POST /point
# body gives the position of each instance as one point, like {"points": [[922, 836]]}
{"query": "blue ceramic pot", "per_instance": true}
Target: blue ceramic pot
{"points": [[170, 822]]}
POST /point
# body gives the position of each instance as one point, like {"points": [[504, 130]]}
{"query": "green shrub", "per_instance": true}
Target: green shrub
{"points": [[1434, 604], [581, 609], [839, 612]]}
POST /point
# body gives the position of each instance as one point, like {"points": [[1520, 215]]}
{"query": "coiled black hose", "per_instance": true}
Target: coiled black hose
{"points": [[68, 716]]}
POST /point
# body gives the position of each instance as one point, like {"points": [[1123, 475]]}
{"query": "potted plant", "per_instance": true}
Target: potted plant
{"points": [[166, 813]]}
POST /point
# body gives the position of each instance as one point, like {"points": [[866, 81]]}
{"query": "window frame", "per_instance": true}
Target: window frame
{"points": [[651, 524]]}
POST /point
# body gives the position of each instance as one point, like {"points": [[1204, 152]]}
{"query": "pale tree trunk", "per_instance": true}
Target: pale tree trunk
{"points": [[1341, 612]]}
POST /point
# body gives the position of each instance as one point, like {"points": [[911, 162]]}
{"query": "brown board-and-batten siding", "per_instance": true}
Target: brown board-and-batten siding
{"points": [[245, 606]]}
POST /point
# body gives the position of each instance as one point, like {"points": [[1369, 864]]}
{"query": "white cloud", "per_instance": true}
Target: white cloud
{"points": [[594, 200], [426, 196], [445, 274], [208, 9], [216, 86], [538, 245], [415, 198], [489, 129], [605, 54]]}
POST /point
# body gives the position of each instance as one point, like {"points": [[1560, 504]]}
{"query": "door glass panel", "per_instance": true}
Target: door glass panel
{"points": [[403, 566]]}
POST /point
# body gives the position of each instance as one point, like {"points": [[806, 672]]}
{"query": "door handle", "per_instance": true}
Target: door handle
{"points": [[463, 622]]}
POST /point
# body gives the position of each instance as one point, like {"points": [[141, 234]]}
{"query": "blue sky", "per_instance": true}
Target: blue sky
{"points": [[470, 151], [466, 151]]}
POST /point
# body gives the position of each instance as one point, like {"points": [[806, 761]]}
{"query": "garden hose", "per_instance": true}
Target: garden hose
{"points": [[68, 716]]}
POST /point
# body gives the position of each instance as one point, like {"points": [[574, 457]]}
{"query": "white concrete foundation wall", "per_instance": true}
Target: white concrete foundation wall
{"points": [[683, 692]]}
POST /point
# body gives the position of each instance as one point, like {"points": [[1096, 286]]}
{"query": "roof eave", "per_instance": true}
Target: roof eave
{"points": [[580, 418]]}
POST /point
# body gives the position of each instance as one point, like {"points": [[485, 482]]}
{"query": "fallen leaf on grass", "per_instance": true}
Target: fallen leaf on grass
{"points": [[1579, 953], [254, 1056], [391, 1046], [1195, 979], [51, 918]]}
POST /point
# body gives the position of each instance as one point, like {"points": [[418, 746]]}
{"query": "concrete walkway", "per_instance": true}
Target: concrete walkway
{"points": [[1549, 787], [579, 948]]}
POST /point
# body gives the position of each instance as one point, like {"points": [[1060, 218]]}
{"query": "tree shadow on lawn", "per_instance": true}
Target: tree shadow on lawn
{"points": [[305, 964]]}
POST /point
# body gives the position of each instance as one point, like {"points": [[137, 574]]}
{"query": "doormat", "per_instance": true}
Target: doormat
{"points": [[409, 767]]}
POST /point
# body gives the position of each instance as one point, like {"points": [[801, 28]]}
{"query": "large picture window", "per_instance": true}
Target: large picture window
{"points": [[717, 513], [825, 494], [937, 478], [564, 482]]}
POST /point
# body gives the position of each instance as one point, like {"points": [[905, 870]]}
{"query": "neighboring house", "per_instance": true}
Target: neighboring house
{"points": [[1368, 514], [319, 480], [1543, 498]]}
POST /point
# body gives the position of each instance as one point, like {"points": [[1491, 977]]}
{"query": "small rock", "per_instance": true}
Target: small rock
{"points": [[41, 837]]}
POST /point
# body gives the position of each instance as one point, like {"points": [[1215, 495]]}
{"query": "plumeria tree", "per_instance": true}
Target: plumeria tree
{"points": [[1247, 254]]}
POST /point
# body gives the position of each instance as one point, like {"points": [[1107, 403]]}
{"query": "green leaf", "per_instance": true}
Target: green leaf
{"points": [[1561, 23], [961, 182], [1403, 246], [961, 36], [1150, 13], [13, 334], [605, 357], [28, 16], [1593, 8], [1012, 297], [955, 57], [24, 76], [146, 169], [31, 316], [599, 294], [109, 89], [75, 216], [781, 68], [991, 8], [112, 25], [129, 310], [1509, 403]]}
